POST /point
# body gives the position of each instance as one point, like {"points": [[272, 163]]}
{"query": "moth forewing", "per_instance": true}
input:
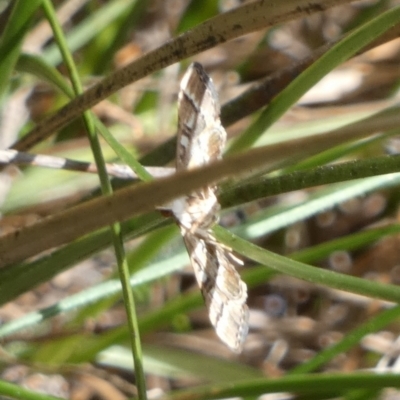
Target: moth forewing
{"points": [[199, 126]]}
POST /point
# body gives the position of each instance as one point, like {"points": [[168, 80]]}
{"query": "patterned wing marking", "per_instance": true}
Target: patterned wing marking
{"points": [[223, 291], [199, 126], [201, 139]]}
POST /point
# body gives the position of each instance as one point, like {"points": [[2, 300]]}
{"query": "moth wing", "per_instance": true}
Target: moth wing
{"points": [[224, 292], [201, 137], [201, 140]]}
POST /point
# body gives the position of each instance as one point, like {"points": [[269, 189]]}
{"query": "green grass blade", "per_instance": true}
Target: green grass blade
{"points": [[37, 66], [174, 364], [11, 40], [326, 385], [20, 393], [351, 339], [276, 217], [88, 29], [99, 292], [308, 273], [339, 53]]}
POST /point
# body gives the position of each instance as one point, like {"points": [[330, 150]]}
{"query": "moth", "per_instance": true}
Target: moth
{"points": [[200, 140]]}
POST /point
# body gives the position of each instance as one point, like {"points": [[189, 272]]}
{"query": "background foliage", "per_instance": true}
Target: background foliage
{"points": [[309, 190]]}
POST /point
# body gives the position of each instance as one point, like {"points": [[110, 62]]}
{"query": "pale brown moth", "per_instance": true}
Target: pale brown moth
{"points": [[201, 140]]}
